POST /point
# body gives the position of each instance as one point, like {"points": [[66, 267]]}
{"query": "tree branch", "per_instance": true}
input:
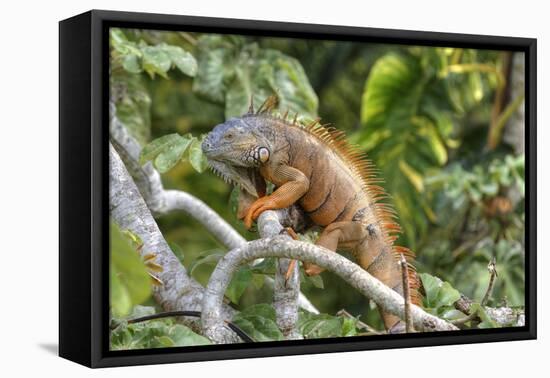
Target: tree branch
{"points": [[387, 299], [287, 288], [128, 209]]}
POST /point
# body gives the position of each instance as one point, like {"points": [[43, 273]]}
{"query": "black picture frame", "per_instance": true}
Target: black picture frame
{"points": [[83, 182]]}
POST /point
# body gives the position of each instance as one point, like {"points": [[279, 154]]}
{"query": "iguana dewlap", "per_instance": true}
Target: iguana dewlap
{"points": [[315, 167]]}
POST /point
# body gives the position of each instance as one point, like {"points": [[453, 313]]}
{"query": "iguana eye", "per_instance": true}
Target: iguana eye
{"points": [[263, 154], [228, 136]]}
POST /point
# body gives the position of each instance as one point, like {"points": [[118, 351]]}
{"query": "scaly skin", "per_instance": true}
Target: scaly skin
{"points": [[318, 170]]}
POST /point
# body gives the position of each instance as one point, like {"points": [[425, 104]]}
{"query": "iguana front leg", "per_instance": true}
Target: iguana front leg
{"points": [[292, 185]]}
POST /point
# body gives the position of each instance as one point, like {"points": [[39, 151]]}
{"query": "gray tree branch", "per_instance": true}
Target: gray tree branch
{"points": [[286, 292], [129, 211], [387, 299]]}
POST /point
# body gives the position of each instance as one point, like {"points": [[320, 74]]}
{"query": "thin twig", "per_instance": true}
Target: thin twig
{"points": [[406, 295], [491, 267]]}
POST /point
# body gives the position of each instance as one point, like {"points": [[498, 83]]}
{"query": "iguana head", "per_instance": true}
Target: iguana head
{"points": [[235, 149]]}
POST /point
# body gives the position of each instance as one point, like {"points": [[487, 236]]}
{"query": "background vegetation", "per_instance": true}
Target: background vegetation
{"points": [[432, 119]]}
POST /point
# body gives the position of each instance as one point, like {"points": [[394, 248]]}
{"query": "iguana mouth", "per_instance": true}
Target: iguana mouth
{"points": [[244, 177]]}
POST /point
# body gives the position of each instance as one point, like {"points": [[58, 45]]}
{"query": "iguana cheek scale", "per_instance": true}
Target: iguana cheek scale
{"points": [[333, 182]]}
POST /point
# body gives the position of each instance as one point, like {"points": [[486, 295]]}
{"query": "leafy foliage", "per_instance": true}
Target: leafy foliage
{"points": [[313, 326], [155, 60], [411, 113], [160, 333], [259, 322], [232, 71], [439, 297], [169, 150], [488, 201]]}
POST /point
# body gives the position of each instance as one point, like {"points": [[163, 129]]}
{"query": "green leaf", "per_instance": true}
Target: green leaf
{"points": [[208, 257], [158, 333], [258, 280], [155, 61], [121, 44], [131, 63], [196, 157], [177, 251], [267, 266], [130, 283], [215, 59], [171, 156], [167, 151], [407, 116], [239, 283], [165, 341], [183, 336], [258, 321], [452, 314], [239, 93], [313, 326], [133, 104], [262, 309], [155, 147], [316, 281], [140, 311], [438, 293], [349, 327], [447, 295], [120, 300], [486, 321], [182, 59]]}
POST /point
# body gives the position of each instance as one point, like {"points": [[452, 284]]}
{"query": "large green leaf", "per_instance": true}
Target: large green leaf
{"points": [[130, 283], [402, 136], [182, 59], [183, 336], [169, 150], [439, 294], [155, 60], [196, 157], [258, 321], [240, 281]]}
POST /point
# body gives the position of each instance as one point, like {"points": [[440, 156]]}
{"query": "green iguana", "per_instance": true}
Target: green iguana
{"points": [[316, 168]]}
